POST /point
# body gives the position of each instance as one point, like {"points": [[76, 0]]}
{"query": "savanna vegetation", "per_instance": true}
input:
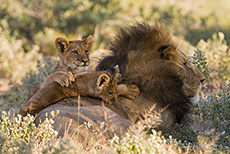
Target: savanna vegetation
{"points": [[28, 29]]}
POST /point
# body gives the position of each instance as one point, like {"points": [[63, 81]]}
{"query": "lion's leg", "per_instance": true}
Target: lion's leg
{"points": [[63, 78], [128, 90], [33, 90], [45, 97]]}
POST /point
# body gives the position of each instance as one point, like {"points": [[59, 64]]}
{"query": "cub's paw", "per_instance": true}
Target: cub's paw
{"points": [[133, 91], [65, 79]]}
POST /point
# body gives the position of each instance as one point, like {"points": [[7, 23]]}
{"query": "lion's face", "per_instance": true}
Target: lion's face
{"points": [[164, 68], [74, 54], [191, 78]]}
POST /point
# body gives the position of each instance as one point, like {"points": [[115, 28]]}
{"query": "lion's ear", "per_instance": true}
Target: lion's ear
{"points": [[89, 42], [102, 81], [168, 52], [61, 44]]}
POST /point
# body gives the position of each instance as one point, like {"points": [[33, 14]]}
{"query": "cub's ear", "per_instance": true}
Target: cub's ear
{"points": [[102, 81], [117, 74], [168, 52], [61, 44], [89, 42], [114, 73]]}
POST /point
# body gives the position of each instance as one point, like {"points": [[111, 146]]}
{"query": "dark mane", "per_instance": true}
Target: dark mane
{"points": [[141, 37], [141, 33]]}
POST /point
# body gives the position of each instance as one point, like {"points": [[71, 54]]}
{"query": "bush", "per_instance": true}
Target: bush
{"points": [[14, 62], [200, 62], [209, 125], [17, 95], [26, 18], [137, 141], [21, 135], [217, 52], [215, 108]]}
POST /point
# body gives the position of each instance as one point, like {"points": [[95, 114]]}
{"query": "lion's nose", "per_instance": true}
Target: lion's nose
{"points": [[202, 80]]}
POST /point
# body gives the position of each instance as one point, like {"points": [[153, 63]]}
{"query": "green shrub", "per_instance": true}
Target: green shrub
{"points": [[218, 56], [17, 95], [215, 107], [136, 141], [21, 135], [209, 123], [46, 40], [26, 18], [14, 62], [200, 62]]}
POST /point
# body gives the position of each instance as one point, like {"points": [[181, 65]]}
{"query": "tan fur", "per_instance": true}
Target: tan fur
{"points": [[74, 56], [101, 84]]}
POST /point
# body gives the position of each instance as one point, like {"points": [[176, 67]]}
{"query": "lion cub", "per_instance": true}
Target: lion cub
{"points": [[74, 56], [99, 84]]}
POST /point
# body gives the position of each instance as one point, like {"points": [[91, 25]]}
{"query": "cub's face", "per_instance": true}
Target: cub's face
{"points": [[100, 84], [74, 54], [107, 85], [109, 92]]}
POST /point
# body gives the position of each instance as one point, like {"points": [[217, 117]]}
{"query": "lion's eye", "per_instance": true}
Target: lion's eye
{"points": [[110, 92], [86, 51], [75, 51], [186, 66]]}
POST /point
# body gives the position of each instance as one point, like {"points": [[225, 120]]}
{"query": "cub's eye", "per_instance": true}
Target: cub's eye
{"points": [[75, 51], [186, 66], [86, 51], [110, 92]]}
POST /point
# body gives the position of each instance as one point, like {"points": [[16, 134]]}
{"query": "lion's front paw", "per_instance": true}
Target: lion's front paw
{"points": [[65, 79], [133, 91]]}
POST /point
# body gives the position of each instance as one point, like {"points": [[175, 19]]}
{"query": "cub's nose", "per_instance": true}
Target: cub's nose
{"points": [[84, 61]]}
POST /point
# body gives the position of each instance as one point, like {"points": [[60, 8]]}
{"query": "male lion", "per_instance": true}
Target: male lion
{"points": [[149, 58]]}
